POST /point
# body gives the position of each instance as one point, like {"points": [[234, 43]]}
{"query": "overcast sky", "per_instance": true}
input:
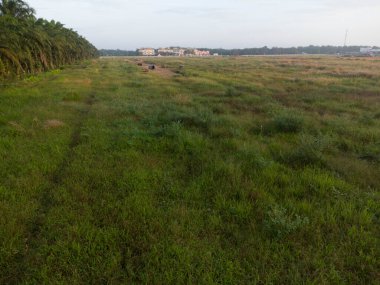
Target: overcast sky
{"points": [[130, 24]]}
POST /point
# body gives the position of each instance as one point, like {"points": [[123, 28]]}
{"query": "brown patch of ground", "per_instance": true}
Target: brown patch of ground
{"points": [[164, 72], [53, 124]]}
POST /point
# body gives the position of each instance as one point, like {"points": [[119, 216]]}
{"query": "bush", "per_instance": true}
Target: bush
{"points": [[231, 92], [252, 161], [284, 123], [308, 151], [199, 118]]}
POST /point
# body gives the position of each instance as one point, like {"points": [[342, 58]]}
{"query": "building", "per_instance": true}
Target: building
{"points": [[198, 52], [164, 51], [147, 51], [171, 51], [369, 51]]}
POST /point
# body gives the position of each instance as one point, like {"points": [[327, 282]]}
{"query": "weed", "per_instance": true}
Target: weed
{"points": [[279, 222]]}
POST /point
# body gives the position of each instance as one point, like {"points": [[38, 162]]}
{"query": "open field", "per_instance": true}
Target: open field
{"points": [[262, 170]]}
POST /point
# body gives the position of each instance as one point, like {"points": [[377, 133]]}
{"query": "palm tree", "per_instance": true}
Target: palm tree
{"points": [[16, 8], [28, 45]]}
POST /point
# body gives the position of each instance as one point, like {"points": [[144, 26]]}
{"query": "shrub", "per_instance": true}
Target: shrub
{"points": [[231, 92], [345, 145], [284, 123], [308, 151], [252, 161], [199, 118]]}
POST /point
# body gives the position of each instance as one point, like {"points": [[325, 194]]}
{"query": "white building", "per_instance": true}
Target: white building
{"points": [[369, 50], [147, 51], [171, 51]]}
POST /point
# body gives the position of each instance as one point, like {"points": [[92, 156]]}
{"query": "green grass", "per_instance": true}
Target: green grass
{"points": [[231, 171]]}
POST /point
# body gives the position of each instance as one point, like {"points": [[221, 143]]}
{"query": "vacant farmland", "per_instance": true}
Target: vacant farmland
{"points": [[220, 171]]}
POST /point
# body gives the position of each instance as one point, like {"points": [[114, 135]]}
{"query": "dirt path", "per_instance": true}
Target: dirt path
{"points": [[164, 72]]}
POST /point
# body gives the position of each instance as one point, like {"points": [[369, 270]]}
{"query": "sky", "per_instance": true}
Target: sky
{"points": [[131, 24]]}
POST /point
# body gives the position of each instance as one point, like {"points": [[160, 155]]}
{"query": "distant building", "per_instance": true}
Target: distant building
{"points": [[164, 51], [198, 52], [369, 51], [171, 51], [147, 51]]}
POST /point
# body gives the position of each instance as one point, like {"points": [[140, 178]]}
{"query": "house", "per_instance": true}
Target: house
{"points": [[171, 51], [198, 52], [147, 51], [179, 51], [165, 51]]}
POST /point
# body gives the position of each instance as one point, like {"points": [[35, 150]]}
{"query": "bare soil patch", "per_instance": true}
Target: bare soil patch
{"points": [[164, 72], [53, 124]]}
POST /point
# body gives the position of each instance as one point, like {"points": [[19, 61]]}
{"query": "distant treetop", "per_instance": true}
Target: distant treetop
{"points": [[17, 9]]}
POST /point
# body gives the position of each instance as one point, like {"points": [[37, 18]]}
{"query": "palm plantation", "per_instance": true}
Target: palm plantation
{"points": [[29, 45]]}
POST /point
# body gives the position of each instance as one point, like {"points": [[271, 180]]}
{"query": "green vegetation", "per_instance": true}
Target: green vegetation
{"points": [[224, 171], [332, 50], [29, 45]]}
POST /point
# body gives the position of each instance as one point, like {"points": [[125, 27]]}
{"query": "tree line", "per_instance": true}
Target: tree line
{"points": [[118, 52], [257, 51], [291, 50], [29, 45]]}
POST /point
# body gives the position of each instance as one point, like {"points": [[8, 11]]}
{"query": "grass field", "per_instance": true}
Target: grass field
{"points": [[261, 170]]}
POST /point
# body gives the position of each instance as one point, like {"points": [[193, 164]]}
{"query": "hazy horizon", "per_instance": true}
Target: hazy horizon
{"points": [[127, 25]]}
